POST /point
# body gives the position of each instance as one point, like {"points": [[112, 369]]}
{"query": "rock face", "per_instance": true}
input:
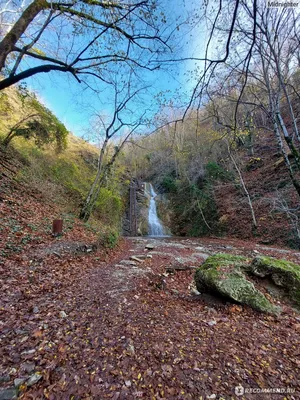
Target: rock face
{"points": [[224, 275], [283, 273]]}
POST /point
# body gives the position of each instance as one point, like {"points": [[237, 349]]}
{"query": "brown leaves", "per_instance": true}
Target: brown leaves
{"points": [[122, 339]]}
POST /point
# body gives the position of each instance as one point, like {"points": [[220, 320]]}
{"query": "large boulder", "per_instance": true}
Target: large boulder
{"points": [[283, 273], [223, 275]]}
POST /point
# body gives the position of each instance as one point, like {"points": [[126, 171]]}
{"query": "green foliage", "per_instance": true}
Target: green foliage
{"points": [[216, 172], [169, 184], [40, 124], [109, 238], [109, 206], [5, 107]]}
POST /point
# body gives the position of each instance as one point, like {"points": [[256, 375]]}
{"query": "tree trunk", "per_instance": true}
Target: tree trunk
{"points": [[9, 41], [286, 158], [244, 186], [91, 198]]}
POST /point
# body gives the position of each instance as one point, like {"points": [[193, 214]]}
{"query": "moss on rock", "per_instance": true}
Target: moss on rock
{"points": [[223, 275], [283, 273]]}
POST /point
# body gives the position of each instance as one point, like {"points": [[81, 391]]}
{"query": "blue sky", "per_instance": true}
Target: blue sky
{"points": [[74, 105]]}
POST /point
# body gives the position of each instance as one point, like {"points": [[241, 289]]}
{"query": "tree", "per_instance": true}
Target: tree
{"points": [[39, 124], [261, 56], [81, 37], [121, 122]]}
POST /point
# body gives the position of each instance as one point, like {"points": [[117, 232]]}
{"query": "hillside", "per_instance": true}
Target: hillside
{"points": [[201, 192], [59, 178]]}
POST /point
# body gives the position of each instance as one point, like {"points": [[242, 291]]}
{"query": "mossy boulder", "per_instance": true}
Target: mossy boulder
{"points": [[223, 275], [283, 273]]}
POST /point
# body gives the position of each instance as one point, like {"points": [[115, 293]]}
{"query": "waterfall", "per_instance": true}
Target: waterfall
{"points": [[155, 226]]}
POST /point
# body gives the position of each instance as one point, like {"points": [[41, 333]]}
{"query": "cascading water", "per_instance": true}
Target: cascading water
{"points": [[155, 226]]}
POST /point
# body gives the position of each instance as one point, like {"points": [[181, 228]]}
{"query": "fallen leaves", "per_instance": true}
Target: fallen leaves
{"points": [[65, 330]]}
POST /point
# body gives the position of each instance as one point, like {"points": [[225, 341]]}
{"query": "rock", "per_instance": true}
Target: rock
{"points": [[283, 273], [127, 262], [223, 275], [28, 352], [8, 394], [19, 381], [212, 323], [130, 347], [4, 378], [128, 383], [136, 258], [62, 314], [34, 379], [21, 332], [199, 248], [212, 396], [12, 371], [35, 310], [149, 246]]}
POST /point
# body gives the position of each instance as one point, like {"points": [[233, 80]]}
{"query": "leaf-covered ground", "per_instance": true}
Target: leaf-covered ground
{"points": [[78, 325]]}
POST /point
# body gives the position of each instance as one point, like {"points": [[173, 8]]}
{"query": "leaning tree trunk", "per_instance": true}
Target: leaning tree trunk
{"points": [[10, 40]]}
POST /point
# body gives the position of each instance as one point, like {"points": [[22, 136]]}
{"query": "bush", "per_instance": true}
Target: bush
{"points": [[109, 206], [215, 172], [169, 183], [109, 238]]}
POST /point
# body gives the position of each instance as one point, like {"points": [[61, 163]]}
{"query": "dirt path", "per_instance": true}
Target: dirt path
{"points": [[86, 327]]}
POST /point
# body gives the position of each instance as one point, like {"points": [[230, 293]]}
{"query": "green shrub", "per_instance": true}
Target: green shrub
{"points": [[169, 183], [215, 172], [109, 238], [109, 206]]}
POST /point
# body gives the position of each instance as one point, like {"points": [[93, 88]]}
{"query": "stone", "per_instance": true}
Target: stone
{"points": [[35, 310], [12, 371], [149, 246], [28, 352], [223, 275], [127, 262], [8, 394], [128, 383], [195, 292], [212, 323], [283, 273], [19, 381], [4, 378], [34, 379], [62, 314], [136, 258]]}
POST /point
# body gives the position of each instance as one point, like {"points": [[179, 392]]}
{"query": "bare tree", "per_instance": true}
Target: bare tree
{"points": [[122, 122], [81, 37], [258, 74]]}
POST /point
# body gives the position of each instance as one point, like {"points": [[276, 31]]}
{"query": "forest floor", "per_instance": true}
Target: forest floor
{"points": [[83, 324]]}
